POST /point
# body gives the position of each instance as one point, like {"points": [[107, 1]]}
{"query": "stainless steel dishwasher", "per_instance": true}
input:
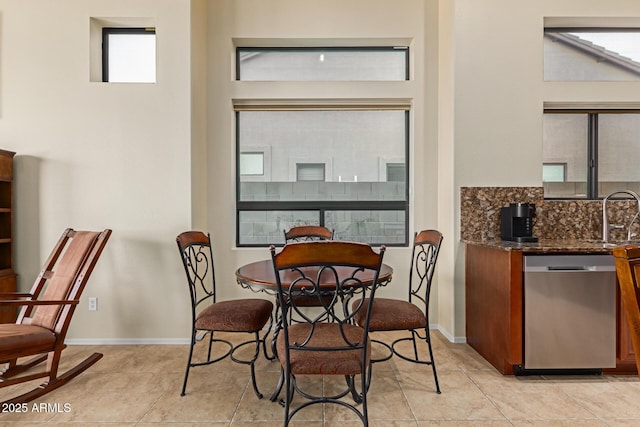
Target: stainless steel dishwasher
{"points": [[569, 312]]}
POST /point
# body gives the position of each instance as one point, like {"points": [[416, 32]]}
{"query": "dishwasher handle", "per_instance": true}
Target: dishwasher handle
{"points": [[571, 268]]}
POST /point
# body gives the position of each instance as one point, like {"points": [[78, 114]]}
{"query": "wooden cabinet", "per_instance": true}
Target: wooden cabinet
{"points": [[493, 300], [494, 310], [7, 275], [626, 357]]}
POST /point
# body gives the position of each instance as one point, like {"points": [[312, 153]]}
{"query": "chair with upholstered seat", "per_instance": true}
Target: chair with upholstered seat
{"points": [[627, 260], [325, 343], [45, 316], [412, 314], [210, 317]]}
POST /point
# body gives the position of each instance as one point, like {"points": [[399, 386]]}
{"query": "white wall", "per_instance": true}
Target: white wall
{"points": [[92, 155]]}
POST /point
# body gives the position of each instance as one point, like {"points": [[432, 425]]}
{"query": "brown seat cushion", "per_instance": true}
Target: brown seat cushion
{"points": [[322, 362], [243, 315], [393, 315], [24, 340]]}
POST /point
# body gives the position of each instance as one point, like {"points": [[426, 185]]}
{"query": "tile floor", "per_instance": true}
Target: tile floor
{"points": [[140, 386]]}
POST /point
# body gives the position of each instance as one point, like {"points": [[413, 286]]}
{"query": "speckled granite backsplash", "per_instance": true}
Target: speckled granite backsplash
{"points": [[556, 219]]}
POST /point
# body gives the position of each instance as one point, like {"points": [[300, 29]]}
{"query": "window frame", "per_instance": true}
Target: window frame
{"points": [[323, 206], [405, 49], [592, 145], [106, 32]]}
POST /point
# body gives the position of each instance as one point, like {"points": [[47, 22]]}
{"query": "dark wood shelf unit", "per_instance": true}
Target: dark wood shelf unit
{"points": [[8, 278]]}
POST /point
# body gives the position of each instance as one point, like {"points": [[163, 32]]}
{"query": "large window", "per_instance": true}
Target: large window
{"points": [[589, 154], [328, 167]]}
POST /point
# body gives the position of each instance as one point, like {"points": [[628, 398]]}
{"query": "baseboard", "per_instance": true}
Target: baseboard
{"points": [[452, 338]]}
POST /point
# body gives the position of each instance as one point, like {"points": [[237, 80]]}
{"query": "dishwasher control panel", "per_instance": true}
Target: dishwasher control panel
{"points": [[547, 263]]}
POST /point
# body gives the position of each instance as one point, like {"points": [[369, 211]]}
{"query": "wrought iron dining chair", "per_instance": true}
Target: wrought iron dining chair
{"points": [[47, 310], [312, 345], [411, 314], [627, 260], [209, 316], [307, 233]]}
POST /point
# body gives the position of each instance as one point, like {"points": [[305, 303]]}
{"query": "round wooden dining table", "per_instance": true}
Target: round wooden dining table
{"points": [[260, 276]]}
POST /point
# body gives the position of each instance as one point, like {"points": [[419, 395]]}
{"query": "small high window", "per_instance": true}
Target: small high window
{"points": [[129, 55]]}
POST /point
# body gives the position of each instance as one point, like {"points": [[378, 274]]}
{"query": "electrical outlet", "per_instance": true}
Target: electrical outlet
{"points": [[93, 303]]}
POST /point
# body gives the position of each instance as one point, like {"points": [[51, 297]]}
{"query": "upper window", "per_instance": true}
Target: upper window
{"points": [[592, 54], [322, 64], [589, 154], [129, 55]]}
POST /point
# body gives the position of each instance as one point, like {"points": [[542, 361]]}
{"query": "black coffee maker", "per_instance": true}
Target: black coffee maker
{"points": [[516, 222]]}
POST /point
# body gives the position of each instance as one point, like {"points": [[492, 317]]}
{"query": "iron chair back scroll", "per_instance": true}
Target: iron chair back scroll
{"points": [[627, 260], [46, 313], [412, 314], [326, 343], [307, 233], [209, 316]]}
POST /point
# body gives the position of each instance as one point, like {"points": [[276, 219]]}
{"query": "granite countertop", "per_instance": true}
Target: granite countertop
{"points": [[549, 245]]}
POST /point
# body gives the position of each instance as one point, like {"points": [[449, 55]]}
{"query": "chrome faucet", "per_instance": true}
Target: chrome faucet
{"points": [[606, 227]]}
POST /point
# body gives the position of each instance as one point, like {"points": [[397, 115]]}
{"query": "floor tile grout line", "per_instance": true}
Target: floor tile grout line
{"points": [[580, 403], [404, 395], [489, 398], [152, 406], [235, 411]]}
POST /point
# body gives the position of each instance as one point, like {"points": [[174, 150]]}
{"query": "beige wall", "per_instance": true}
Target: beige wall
{"points": [[92, 155], [150, 160]]}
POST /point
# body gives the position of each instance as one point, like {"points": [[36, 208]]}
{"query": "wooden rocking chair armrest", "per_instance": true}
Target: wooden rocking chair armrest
{"points": [[13, 295], [39, 302]]}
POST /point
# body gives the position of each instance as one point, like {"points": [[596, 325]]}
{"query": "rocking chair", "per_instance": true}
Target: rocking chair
{"points": [[46, 313]]}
